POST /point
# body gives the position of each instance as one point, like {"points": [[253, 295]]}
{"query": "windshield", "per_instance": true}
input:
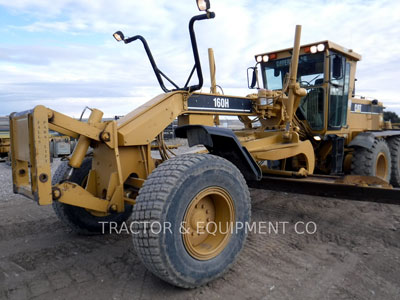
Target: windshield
{"points": [[310, 75], [310, 71]]}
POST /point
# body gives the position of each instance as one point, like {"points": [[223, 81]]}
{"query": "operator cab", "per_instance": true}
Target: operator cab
{"points": [[325, 70]]}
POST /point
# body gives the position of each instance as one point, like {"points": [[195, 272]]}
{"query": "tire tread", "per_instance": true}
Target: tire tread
{"points": [[363, 158], [151, 201], [394, 146]]}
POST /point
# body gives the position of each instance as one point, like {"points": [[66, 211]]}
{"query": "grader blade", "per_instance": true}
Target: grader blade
{"points": [[333, 187]]}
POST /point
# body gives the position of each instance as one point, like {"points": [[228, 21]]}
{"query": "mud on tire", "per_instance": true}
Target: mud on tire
{"points": [[79, 219], [166, 196]]}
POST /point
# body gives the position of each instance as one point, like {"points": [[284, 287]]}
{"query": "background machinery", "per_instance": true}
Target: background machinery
{"points": [[309, 122], [4, 138]]}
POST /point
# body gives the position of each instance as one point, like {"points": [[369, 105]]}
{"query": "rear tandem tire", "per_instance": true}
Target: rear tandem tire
{"points": [[79, 219], [185, 191], [374, 161], [394, 146]]}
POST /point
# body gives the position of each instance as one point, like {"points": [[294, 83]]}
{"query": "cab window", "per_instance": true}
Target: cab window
{"points": [[338, 91], [310, 75]]}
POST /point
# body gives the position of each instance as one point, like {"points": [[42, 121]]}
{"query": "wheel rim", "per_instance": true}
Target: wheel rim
{"points": [[381, 166], [208, 222]]}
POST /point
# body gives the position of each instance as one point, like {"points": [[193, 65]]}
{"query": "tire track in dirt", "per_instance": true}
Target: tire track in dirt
{"points": [[25, 229], [67, 266], [354, 254], [350, 234]]}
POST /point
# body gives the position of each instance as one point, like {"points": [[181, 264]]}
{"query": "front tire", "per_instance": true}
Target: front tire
{"points": [[190, 194], [79, 219]]}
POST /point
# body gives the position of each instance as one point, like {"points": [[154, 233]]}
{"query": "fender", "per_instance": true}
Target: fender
{"points": [[363, 139], [366, 139], [222, 142]]}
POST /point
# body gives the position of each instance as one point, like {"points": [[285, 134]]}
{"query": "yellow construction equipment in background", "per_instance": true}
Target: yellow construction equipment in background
{"points": [[4, 138], [303, 119]]}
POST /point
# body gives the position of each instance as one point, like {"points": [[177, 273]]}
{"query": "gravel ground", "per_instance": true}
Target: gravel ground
{"points": [[354, 254]]}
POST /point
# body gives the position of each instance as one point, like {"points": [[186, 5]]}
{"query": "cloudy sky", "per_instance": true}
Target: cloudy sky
{"points": [[61, 53]]}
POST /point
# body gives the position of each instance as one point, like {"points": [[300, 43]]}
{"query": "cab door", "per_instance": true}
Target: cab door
{"points": [[338, 91]]}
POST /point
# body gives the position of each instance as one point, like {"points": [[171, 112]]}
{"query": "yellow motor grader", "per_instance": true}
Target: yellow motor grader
{"points": [[303, 119]]}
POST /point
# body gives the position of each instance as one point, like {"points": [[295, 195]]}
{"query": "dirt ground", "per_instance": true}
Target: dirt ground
{"points": [[354, 254]]}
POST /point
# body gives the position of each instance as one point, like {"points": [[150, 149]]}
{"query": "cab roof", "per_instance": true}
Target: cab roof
{"points": [[330, 45]]}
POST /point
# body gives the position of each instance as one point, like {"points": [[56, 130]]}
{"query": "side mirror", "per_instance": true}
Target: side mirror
{"points": [[254, 78], [337, 67]]}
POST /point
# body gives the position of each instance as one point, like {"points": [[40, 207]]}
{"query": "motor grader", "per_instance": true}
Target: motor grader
{"points": [[303, 119]]}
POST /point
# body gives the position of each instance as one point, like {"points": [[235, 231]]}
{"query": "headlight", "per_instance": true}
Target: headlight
{"points": [[203, 5], [259, 58], [313, 49], [265, 58], [119, 36], [262, 101], [317, 138], [320, 47]]}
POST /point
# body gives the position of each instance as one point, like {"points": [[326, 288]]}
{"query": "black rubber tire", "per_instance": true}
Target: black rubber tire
{"points": [[394, 146], [77, 218], [364, 160], [165, 197]]}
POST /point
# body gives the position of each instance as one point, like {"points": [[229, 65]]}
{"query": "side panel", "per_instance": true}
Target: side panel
{"points": [[221, 103], [366, 139], [364, 116]]}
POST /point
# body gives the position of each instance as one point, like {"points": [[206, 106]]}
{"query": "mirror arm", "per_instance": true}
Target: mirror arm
{"points": [[190, 76], [169, 80], [197, 65], [156, 70]]}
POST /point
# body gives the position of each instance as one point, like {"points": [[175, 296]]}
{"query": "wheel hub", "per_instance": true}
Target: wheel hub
{"points": [[208, 221], [381, 166]]}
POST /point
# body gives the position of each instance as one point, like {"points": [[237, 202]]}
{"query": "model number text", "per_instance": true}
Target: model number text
{"points": [[221, 102]]}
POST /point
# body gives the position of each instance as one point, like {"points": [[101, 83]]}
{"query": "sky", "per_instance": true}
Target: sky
{"points": [[61, 54]]}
